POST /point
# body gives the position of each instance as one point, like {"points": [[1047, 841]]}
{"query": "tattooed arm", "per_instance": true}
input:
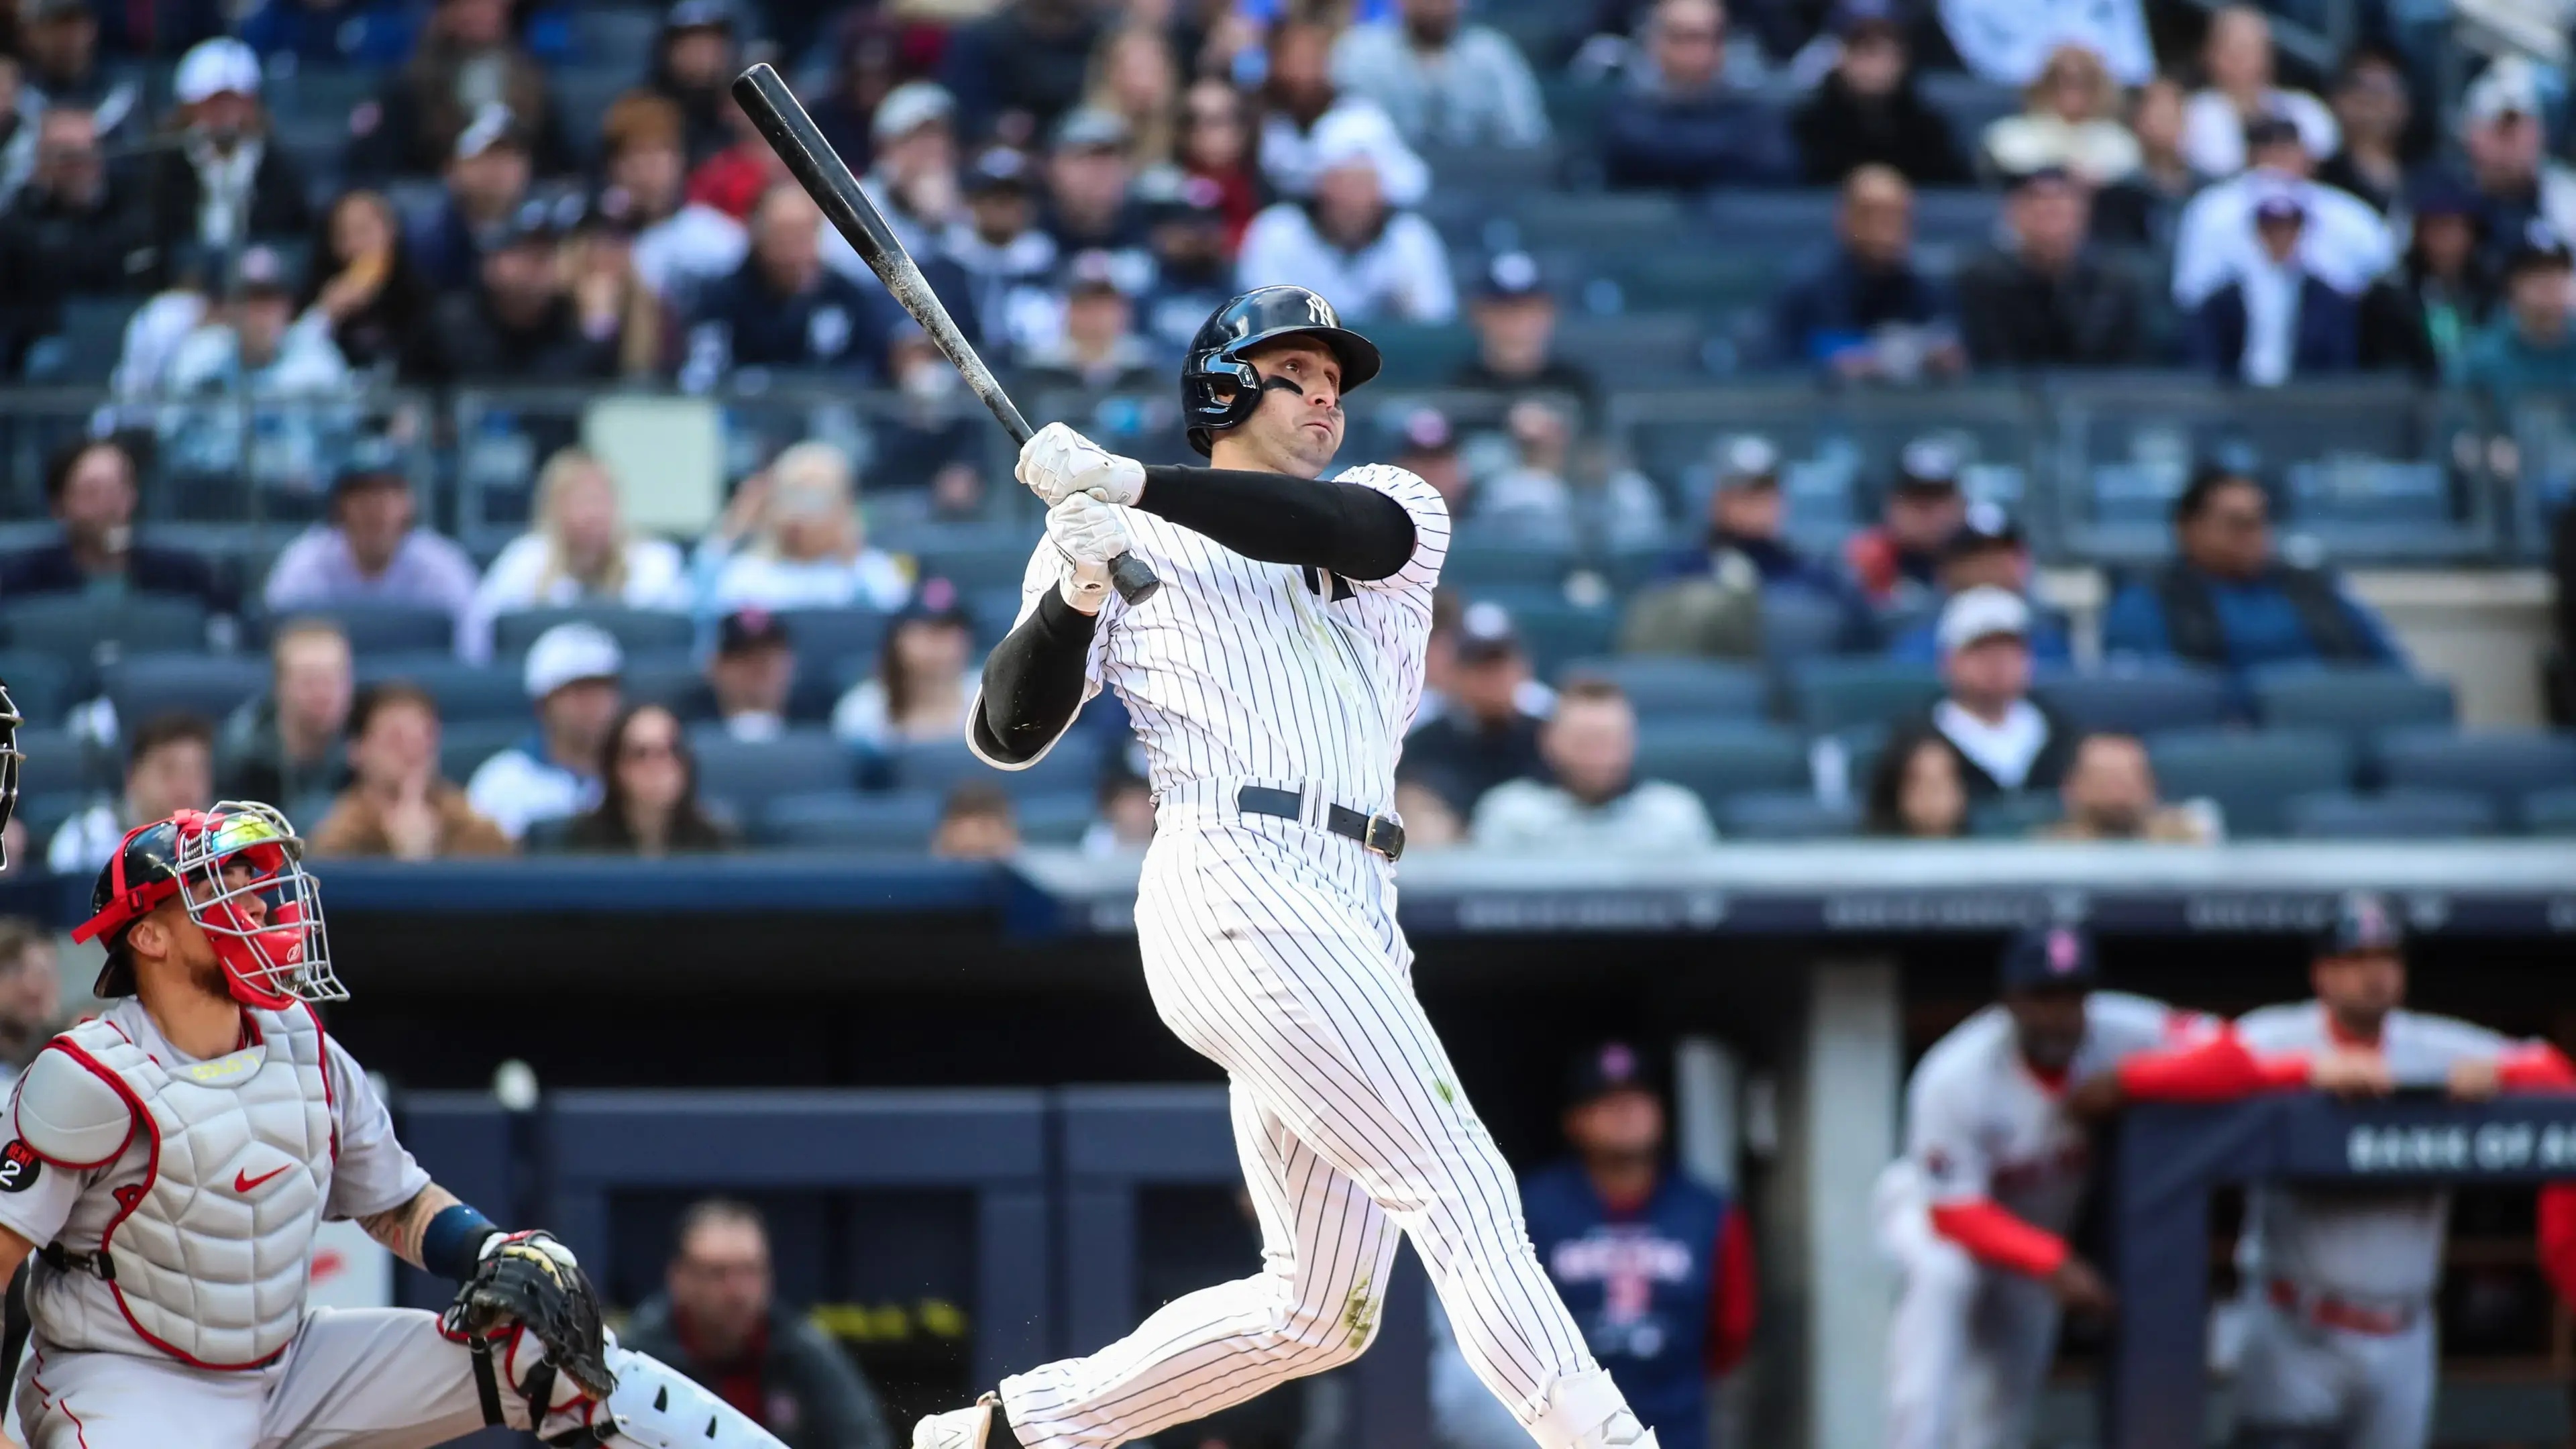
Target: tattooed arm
{"points": [[400, 1229]]}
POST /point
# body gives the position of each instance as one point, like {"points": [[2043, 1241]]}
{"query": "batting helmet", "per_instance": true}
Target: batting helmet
{"points": [[272, 957], [2363, 923], [10, 759], [1261, 315]]}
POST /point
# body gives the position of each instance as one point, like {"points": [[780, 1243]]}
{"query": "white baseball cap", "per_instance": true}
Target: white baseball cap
{"points": [[212, 67], [569, 654], [909, 107], [1981, 613]]}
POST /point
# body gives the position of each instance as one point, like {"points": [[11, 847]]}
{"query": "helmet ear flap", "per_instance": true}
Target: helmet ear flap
{"points": [[1210, 415]]}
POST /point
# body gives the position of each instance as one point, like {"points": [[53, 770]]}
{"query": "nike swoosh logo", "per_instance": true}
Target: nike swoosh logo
{"points": [[244, 1182]]}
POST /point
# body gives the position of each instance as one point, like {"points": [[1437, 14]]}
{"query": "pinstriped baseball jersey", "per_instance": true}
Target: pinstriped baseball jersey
{"points": [[1245, 670]]}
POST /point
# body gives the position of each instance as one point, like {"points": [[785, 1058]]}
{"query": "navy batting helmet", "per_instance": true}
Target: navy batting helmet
{"points": [[2363, 922], [1261, 315]]}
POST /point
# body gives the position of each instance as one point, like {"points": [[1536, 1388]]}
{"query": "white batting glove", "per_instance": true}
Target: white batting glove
{"points": [[1087, 534], [1058, 462]]}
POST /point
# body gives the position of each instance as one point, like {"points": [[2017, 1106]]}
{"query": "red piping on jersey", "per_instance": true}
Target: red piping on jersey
{"points": [[1992, 1233]]}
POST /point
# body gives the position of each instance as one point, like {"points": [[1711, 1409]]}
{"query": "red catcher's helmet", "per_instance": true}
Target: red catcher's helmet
{"points": [[266, 926]]}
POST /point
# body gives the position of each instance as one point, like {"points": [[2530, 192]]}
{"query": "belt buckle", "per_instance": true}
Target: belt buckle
{"points": [[1384, 835]]}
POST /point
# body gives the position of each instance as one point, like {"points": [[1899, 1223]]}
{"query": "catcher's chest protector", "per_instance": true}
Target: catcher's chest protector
{"points": [[211, 1256]]}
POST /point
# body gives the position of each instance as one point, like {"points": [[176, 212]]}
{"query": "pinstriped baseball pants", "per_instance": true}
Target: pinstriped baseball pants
{"points": [[1271, 948]]}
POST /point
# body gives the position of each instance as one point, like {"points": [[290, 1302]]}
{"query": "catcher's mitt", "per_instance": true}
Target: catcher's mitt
{"points": [[531, 1280]]}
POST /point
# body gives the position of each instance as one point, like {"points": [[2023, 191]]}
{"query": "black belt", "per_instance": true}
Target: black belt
{"points": [[1379, 833]]}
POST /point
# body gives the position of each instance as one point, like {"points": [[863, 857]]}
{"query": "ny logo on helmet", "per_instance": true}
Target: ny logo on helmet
{"points": [[1320, 312]]}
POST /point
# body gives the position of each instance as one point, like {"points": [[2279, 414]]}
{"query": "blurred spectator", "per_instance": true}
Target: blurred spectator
{"points": [[2010, 42], [397, 806], [2427, 315], [1898, 560], [2110, 794], [2342, 242], [1550, 492], [1216, 147], [284, 746], [693, 63], [808, 548], [1708, 600], [1430, 823], [58, 46], [1193, 256], [1009, 262], [1514, 315], [221, 182], [1351, 243], [2040, 300], [1126, 819], [935, 437], [609, 295], [577, 552], [1865, 311], [2006, 740], [572, 677], [1918, 790], [1986, 552], [783, 308], [2227, 602], [1134, 77], [976, 822], [1299, 98], [2509, 169], [1868, 111], [2276, 321], [90, 489], [72, 231], [1089, 205], [1485, 731], [1097, 349], [717, 1322], [18, 112], [2372, 109], [254, 347], [2070, 121], [1427, 447], [363, 284], [1020, 68], [31, 993], [868, 62], [1681, 126], [2144, 208], [648, 802], [680, 245], [734, 179], [1593, 804], [926, 673], [750, 673], [2530, 344], [2236, 59], [368, 551], [467, 60], [1443, 82], [169, 767], [523, 321], [913, 180], [364, 34], [486, 183]]}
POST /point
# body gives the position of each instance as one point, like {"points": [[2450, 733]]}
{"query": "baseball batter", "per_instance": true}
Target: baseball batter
{"points": [[1974, 1216], [170, 1159], [1271, 683], [2339, 1352]]}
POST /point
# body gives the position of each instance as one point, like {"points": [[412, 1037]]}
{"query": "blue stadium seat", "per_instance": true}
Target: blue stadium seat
{"points": [[1556, 631], [45, 814], [1721, 759], [1664, 345], [465, 745], [464, 691], [207, 685], [1833, 694], [1476, 565], [85, 351], [825, 637], [2503, 765], [1057, 817], [82, 631], [2138, 703], [636, 630], [386, 628], [745, 775], [1419, 354], [2252, 775], [673, 681], [2550, 812], [40, 685], [2392, 815], [1074, 764], [1660, 685], [978, 568], [2357, 701], [2015, 815], [60, 762], [896, 820], [1784, 815], [1799, 624]]}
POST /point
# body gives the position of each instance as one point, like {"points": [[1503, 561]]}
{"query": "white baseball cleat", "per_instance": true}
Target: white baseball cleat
{"points": [[958, 1428]]}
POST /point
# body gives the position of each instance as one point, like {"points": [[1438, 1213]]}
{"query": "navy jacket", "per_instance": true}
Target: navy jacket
{"points": [[834, 324], [1690, 143], [148, 570], [2329, 337], [1838, 302]]}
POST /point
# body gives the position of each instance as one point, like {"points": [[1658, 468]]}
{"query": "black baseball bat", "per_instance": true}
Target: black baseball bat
{"points": [[826, 177]]}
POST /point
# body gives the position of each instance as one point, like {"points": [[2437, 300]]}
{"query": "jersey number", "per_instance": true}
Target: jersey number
{"points": [[1340, 588]]}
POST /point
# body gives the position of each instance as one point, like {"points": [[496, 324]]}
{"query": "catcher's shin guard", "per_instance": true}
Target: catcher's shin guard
{"points": [[655, 1406]]}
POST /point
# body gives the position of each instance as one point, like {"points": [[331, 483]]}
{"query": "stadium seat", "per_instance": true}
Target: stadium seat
{"points": [[2391, 815], [2012, 816], [2502, 765], [40, 685], [60, 762], [85, 352], [2252, 775], [464, 692], [674, 682], [1722, 759], [1421, 355], [1074, 764], [827, 636], [636, 630], [1057, 817], [1665, 345], [1784, 815], [1477, 566], [1798, 625], [896, 820], [978, 568], [2138, 704], [2356, 701], [746, 775], [2550, 812], [386, 628], [82, 631], [211, 686], [464, 746], [1663, 685], [1833, 694], [42, 815], [1556, 631]]}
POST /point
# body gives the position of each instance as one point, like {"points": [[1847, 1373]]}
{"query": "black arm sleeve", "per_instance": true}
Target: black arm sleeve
{"points": [[1342, 528], [1033, 681]]}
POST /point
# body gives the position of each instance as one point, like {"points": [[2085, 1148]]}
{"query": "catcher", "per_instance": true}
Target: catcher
{"points": [[168, 1161]]}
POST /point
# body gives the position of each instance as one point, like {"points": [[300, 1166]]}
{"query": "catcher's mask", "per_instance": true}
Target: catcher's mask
{"points": [[10, 759], [239, 871]]}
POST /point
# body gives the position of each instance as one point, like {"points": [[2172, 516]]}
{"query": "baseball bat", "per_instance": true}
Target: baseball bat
{"points": [[826, 177]]}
